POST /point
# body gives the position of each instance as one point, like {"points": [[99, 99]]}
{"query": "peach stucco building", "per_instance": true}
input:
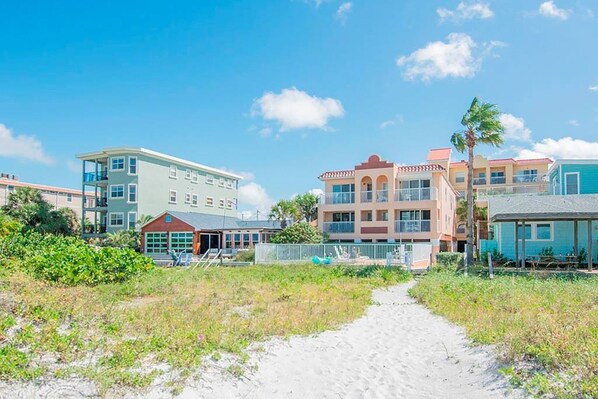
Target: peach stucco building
{"points": [[380, 201]]}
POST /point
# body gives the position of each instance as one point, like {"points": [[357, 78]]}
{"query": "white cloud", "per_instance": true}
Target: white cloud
{"points": [[316, 191], [255, 196], [22, 147], [386, 124], [466, 11], [295, 109], [266, 132], [550, 10], [566, 147], [438, 60], [574, 122], [515, 128], [343, 11], [593, 88], [247, 176]]}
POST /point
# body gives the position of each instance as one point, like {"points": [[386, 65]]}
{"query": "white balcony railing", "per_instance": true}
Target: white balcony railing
{"points": [[541, 188], [479, 181], [415, 194], [498, 180], [339, 198], [382, 196], [367, 196], [412, 226], [525, 178], [338, 227]]}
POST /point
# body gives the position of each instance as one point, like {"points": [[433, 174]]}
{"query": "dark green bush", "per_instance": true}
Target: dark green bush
{"points": [[498, 259], [70, 261], [246, 256], [450, 260]]}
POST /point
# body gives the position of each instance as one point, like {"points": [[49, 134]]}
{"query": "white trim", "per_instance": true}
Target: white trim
{"points": [[170, 201], [135, 220], [187, 174], [136, 166], [176, 172], [69, 197], [187, 198], [221, 182], [210, 179], [194, 200], [154, 154], [212, 200], [116, 185], [110, 219], [120, 169], [534, 231], [129, 193], [565, 183], [194, 176], [221, 203]]}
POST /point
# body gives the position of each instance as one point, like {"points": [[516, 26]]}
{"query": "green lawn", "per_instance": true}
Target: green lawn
{"points": [[546, 328], [169, 316]]}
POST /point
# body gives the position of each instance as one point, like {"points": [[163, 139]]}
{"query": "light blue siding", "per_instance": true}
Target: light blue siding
{"points": [[588, 178]]}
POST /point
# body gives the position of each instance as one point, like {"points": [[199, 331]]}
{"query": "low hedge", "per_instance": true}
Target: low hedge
{"points": [[71, 261], [449, 259]]}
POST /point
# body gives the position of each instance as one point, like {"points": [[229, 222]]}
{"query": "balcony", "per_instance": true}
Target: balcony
{"points": [[339, 198], [412, 226], [382, 196], [367, 196], [415, 194], [338, 227], [537, 189], [95, 202], [461, 229], [479, 181], [90, 177], [525, 178], [498, 180]]}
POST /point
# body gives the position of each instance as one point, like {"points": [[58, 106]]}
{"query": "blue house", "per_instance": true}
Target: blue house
{"points": [[565, 222]]}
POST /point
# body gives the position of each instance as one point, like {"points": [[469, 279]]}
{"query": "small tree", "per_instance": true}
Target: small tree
{"points": [[8, 225], [298, 233], [308, 206], [143, 219], [482, 126], [284, 210]]}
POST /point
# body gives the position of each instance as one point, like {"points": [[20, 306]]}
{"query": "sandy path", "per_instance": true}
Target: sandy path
{"points": [[397, 350]]}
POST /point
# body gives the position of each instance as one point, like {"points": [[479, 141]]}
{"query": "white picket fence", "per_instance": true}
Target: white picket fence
{"points": [[388, 254]]}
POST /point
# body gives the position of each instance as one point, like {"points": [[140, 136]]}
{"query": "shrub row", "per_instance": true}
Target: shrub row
{"points": [[70, 261], [449, 259]]}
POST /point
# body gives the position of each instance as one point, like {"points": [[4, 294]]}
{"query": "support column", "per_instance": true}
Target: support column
{"points": [[517, 244], [523, 244], [590, 259], [575, 239]]}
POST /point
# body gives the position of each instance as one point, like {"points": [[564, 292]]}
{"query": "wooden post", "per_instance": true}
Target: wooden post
{"points": [[523, 244], [517, 244], [490, 267], [590, 259], [575, 239]]}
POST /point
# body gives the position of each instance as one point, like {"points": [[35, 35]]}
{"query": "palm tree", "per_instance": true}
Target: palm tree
{"points": [[143, 219], [482, 126], [284, 210], [308, 206], [479, 214]]}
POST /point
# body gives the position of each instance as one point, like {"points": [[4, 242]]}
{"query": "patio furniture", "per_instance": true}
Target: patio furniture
{"points": [[557, 261]]}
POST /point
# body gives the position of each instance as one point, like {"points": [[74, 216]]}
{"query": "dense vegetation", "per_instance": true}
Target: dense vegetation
{"points": [[69, 260], [166, 321], [547, 328], [298, 233]]}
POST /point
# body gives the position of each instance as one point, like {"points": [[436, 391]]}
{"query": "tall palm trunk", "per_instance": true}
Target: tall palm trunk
{"points": [[470, 232]]}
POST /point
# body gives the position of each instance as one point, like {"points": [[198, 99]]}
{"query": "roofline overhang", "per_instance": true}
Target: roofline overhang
{"points": [[544, 217]]}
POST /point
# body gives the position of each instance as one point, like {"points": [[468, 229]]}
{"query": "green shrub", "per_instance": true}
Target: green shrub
{"points": [[298, 233], [449, 260], [498, 259], [70, 261], [547, 254], [246, 256]]}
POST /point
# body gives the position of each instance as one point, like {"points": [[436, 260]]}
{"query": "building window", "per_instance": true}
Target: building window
{"points": [[69, 197], [229, 184], [537, 231], [132, 193], [460, 177], [209, 201], [229, 204], [237, 240], [221, 203], [172, 173], [188, 174], [343, 193], [187, 198], [194, 200], [193, 176], [181, 241], [116, 219], [155, 243], [132, 220], [221, 182], [228, 241], [117, 191], [255, 238], [246, 242], [132, 165], [571, 183], [172, 197], [209, 179], [413, 221], [117, 163]]}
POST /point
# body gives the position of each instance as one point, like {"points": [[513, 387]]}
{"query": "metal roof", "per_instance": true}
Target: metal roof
{"points": [[205, 221], [543, 207]]}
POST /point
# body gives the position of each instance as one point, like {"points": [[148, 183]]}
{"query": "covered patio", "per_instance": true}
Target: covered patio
{"points": [[557, 220]]}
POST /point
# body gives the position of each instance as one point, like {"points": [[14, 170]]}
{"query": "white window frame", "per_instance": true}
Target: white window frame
{"points": [[534, 231], [129, 193], [229, 184], [194, 176], [69, 197], [136, 166], [129, 220], [458, 175], [188, 174], [209, 179], [117, 185], [578, 183], [187, 198], [172, 169], [194, 199], [122, 214], [112, 159], [170, 201], [221, 203], [221, 182], [210, 201], [229, 204]]}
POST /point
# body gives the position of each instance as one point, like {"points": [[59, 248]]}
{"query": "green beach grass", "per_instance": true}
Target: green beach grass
{"points": [[546, 328]]}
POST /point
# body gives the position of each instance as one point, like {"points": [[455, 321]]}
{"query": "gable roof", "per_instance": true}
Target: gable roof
{"points": [[543, 207], [206, 221]]}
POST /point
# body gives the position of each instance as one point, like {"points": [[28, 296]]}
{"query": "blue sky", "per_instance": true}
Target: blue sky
{"points": [[285, 90]]}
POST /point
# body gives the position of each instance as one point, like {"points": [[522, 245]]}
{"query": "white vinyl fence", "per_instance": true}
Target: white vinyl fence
{"points": [[417, 254]]}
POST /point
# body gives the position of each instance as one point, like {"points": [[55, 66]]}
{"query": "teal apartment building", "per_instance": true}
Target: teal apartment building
{"points": [[564, 220], [129, 182]]}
